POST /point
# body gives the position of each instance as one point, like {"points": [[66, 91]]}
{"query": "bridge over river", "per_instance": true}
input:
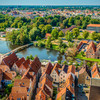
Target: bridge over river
{"points": [[16, 50]]}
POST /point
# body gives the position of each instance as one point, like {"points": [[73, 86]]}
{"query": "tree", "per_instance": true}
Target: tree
{"points": [[60, 42], [85, 34], [54, 22], [54, 33], [24, 39], [48, 28], [75, 32], [71, 21], [94, 36], [61, 34], [41, 26], [48, 43], [69, 36], [33, 33]]}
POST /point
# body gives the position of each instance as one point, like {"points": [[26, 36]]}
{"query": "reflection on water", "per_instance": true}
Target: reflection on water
{"points": [[42, 53]]}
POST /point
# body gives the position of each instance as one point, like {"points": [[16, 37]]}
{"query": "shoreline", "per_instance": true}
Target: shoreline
{"points": [[3, 39]]}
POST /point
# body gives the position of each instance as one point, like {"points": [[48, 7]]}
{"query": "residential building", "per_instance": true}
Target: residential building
{"points": [[66, 90], [94, 27], [93, 51], [24, 66], [17, 64], [9, 60], [84, 76], [45, 88], [55, 73], [95, 73]]}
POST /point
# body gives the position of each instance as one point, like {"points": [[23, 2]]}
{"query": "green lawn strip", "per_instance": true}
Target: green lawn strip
{"points": [[89, 59]]}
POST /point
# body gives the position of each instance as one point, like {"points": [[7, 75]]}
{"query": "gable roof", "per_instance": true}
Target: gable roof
{"points": [[10, 60], [71, 68], [35, 64], [85, 69], [56, 68], [65, 68], [49, 68], [96, 73], [20, 61], [7, 76], [47, 80], [25, 64], [28, 75], [91, 45]]}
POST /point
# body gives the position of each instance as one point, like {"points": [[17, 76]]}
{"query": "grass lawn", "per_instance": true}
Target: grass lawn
{"points": [[55, 47], [79, 56]]}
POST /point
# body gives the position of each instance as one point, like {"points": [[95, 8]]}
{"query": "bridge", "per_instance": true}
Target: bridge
{"points": [[16, 50]]}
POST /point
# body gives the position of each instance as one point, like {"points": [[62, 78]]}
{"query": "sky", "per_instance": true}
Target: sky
{"points": [[49, 2]]}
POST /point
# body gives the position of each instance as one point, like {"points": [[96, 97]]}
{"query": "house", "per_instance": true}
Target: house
{"points": [[19, 93], [93, 51], [66, 90], [95, 71], [23, 88], [45, 88], [17, 64], [66, 70], [1, 76], [7, 78], [9, 60], [82, 45], [84, 76], [94, 27], [49, 68], [35, 67], [24, 66], [55, 73], [30, 75]]}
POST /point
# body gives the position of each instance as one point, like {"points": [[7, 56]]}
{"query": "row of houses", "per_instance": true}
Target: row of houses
{"points": [[57, 74], [87, 77], [29, 70], [43, 81], [91, 50]]}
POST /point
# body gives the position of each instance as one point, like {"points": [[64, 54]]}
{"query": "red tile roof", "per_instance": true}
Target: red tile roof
{"points": [[35, 65], [56, 68], [93, 25], [7, 76], [22, 82], [92, 45], [18, 92], [25, 64], [10, 60], [49, 68], [20, 61]]}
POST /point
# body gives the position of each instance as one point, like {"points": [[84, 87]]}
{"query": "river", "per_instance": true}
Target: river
{"points": [[42, 53]]}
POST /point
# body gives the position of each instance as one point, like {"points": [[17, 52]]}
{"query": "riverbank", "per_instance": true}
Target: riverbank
{"points": [[3, 39]]}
